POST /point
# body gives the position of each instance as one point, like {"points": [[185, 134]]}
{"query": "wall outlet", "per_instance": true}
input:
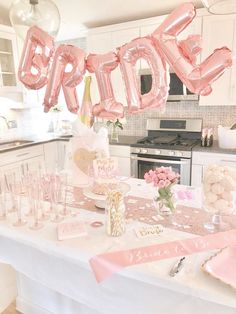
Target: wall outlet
{"points": [[12, 124]]}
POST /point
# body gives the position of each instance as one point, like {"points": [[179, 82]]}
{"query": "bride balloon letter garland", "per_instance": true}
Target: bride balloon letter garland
{"points": [[40, 65]]}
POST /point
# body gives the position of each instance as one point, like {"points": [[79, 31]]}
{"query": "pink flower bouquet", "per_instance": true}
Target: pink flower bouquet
{"points": [[163, 178]]}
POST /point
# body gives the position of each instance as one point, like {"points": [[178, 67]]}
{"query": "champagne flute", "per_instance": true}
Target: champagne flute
{"points": [[3, 211], [18, 190], [56, 194], [64, 179], [36, 197]]}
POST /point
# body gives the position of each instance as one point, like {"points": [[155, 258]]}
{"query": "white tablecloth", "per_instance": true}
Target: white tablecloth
{"points": [[62, 269]]}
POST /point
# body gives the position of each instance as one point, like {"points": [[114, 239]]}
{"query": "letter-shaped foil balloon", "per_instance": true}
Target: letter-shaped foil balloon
{"points": [[65, 55], [181, 56], [35, 59], [102, 66], [129, 54]]}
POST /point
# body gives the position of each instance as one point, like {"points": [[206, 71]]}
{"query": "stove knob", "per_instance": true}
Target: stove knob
{"points": [[138, 150], [144, 151], [171, 153], [157, 152]]}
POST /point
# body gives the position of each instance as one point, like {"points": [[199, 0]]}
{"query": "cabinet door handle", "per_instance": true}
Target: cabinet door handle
{"points": [[21, 155], [229, 161]]}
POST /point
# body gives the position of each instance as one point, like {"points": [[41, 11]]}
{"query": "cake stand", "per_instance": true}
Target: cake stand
{"points": [[100, 200]]}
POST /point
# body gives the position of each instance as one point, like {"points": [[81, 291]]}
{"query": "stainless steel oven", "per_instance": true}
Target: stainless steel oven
{"points": [[141, 163]]}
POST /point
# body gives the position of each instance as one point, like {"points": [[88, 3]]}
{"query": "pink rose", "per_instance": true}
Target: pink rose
{"points": [[162, 176], [161, 184]]}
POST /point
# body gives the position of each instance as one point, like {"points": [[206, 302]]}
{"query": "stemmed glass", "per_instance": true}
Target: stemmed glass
{"points": [[3, 208], [9, 178], [18, 191], [36, 201], [64, 190], [55, 191]]}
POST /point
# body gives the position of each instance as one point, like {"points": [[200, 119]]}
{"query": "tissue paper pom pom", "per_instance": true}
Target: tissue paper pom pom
{"points": [[206, 187], [217, 188], [210, 207], [228, 209], [227, 196], [221, 204], [228, 183], [211, 197], [212, 167], [215, 177]]}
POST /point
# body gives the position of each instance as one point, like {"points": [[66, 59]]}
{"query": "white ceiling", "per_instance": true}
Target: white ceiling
{"points": [[77, 15]]}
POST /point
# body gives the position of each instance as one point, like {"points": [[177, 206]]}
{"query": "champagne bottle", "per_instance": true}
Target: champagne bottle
{"points": [[86, 115]]}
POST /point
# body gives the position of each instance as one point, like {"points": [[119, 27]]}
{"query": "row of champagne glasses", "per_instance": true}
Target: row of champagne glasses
{"points": [[32, 194]]}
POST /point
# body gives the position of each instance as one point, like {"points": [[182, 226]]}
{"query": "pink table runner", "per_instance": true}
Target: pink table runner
{"points": [[187, 219]]}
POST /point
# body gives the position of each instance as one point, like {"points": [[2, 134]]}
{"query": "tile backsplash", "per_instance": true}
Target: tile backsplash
{"points": [[212, 116]]}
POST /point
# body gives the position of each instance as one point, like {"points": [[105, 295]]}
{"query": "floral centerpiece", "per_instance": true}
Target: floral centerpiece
{"points": [[163, 179]]}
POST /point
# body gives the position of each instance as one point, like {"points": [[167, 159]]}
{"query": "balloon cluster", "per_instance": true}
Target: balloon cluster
{"points": [[40, 65]]}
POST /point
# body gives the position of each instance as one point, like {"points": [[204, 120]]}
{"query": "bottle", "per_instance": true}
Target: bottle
{"points": [[86, 115], [204, 137], [209, 137]]}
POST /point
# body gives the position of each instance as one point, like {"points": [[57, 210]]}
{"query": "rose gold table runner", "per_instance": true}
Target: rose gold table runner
{"points": [[187, 219]]}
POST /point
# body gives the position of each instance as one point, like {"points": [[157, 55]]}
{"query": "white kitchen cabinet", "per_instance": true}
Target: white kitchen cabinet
{"points": [[8, 290], [55, 155], [122, 153], [97, 43], [219, 31], [31, 158], [118, 39], [201, 161], [8, 61], [108, 41], [51, 156], [62, 154]]}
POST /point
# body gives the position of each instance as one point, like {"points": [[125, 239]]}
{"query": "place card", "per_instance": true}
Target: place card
{"points": [[149, 231], [70, 229]]}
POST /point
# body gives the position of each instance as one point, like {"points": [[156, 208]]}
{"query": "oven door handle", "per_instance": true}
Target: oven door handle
{"points": [[173, 162]]}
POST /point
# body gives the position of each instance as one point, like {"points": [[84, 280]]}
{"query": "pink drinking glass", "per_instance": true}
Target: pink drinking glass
{"points": [[36, 200], [56, 186], [18, 191]]}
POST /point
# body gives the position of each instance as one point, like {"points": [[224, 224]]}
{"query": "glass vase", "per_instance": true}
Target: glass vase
{"points": [[164, 202]]}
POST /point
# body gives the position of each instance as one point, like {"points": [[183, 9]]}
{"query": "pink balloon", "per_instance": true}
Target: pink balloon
{"points": [[65, 55], [35, 59], [191, 47], [102, 66], [197, 78], [129, 54]]}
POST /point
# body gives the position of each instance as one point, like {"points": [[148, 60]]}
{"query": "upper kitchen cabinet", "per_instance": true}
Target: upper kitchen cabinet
{"points": [[98, 43], [8, 61], [118, 39], [219, 31], [108, 39]]}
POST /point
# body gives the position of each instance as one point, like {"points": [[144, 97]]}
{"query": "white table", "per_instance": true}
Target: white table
{"points": [[55, 278]]}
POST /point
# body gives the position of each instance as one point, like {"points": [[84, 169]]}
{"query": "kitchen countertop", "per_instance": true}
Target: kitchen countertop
{"points": [[126, 140], [33, 140], [213, 149], [46, 138]]}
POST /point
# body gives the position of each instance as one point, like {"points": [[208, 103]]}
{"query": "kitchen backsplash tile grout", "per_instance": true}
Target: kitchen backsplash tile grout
{"points": [[212, 116]]}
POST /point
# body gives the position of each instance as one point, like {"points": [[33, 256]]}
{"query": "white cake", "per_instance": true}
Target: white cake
{"points": [[105, 171]]}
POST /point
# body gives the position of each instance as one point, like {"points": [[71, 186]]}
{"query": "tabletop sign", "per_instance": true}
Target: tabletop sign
{"points": [[70, 229], [105, 167], [145, 232]]}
